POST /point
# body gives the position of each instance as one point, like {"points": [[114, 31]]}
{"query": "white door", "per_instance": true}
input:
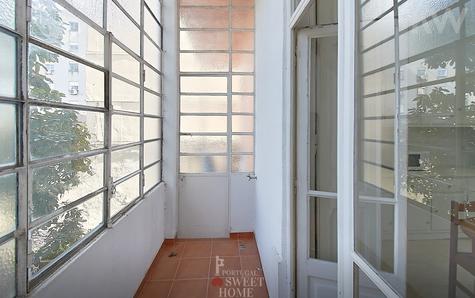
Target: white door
{"points": [[317, 151]]}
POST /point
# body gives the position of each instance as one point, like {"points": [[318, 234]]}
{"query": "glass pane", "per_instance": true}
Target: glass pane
{"points": [[125, 129], [243, 84], [203, 124], [204, 18], [152, 152], [203, 164], [7, 269], [55, 78], [70, 32], [243, 104], [243, 123], [204, 62], [91, 8], [152, 128], [153, 80], [8, 72], [243, 144], [327, 12], [243, 41], [152, 177], [243, 62], [62, 183], [125, 97], [243, 163], [152, 28], [125, 193], [323, 229], [152, 104], [132, 7], [204, 84], [204, 104], [155, 7], [125, 65], [204, 40], [8, 204], [57, 236], [242, 18], [366, 288], [8, 135], [7, 14], [152, 54], [117, 21], [203, 144], [55, 131], [125, 162]]}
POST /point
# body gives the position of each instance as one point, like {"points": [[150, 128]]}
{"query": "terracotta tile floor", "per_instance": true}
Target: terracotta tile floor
{"points": [[188, 269]]}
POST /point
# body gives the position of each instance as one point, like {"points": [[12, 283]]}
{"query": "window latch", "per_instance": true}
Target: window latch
{"points": [[251, 177]]}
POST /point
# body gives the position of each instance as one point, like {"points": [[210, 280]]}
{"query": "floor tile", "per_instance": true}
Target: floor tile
{"points": [[164, 269], [197, 249], [193, 268], [155, 289], [252, 264], [176, 249], [225, 248], [247, 247], [189, 289], [231, 266]]}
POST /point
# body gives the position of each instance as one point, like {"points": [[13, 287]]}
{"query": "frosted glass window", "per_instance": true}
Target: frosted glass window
{"points": [[243, 62], [152, 104], [8, 204], [117, 22], [203, 144], [204, 104], [93, 9], [152, 28], [204, 124], [153, 80], [125, 97], [242, 18], [243, 104], [204, 18], [243, 84], [152, 152], [242, 163], [152, 54], [152, 128], [7, 269], [8, 135], [204, 62], [125, 129], [152, 177], [124, 64], [125, 193], [155, 7], [55, 132], [243, 144], [8, 70], [243, 41], [243, 123], [7, 14], [132, 8], [204, 40], [125, 162], [203, 164], [204, 84]]}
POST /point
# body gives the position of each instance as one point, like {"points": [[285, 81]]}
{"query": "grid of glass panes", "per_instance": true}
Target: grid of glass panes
{"points": [[217, 86], [94, 139]]}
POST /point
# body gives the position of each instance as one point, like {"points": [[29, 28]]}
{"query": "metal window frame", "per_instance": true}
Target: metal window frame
{"points": [[25, 280]]}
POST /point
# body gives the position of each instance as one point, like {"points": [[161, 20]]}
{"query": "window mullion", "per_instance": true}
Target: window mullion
{"points": [[108, 126]]}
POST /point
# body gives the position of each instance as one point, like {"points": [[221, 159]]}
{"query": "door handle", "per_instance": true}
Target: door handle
{"points": [[251, 177]]}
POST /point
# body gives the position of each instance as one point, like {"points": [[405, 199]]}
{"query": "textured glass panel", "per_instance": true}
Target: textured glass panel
{"points": [[7, 14], [152, 152], [93, 9], [375, 234], [382, 81], [155, 7], [125, 162], [152, 54], [243, 62], [152, 104], [152, 128], [56, 26], [203, 164], [243, 83], [243, 163], [204, 2], [152, 28], [204, 62], [153, 80], [7, 269], [243, 144], [243, 41], [203, 144], [204, 104], [379, 153], [62, 183], [132, 7], [58, 235], [125, 97], [377, 31], [125, 193], [59, 79], [125, 129], [117, 22], [379, 106], [8, 135], [243, 104], [204, 84], [379, 130], [323, 229], [125, 65], [55, 131], [203, 18], [385, 54], [243, 123], [203, 124], [8, 204], [375, 8], [204, 40], [242, 18], [8, 65], [412, 12], [152, 177]]}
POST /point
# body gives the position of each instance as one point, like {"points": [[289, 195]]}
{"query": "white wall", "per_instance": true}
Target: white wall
{"points": [[115, 263], [270, 137]]}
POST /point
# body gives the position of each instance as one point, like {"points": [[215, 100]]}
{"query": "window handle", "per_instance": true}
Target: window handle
{"points": [[251, 177]]}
